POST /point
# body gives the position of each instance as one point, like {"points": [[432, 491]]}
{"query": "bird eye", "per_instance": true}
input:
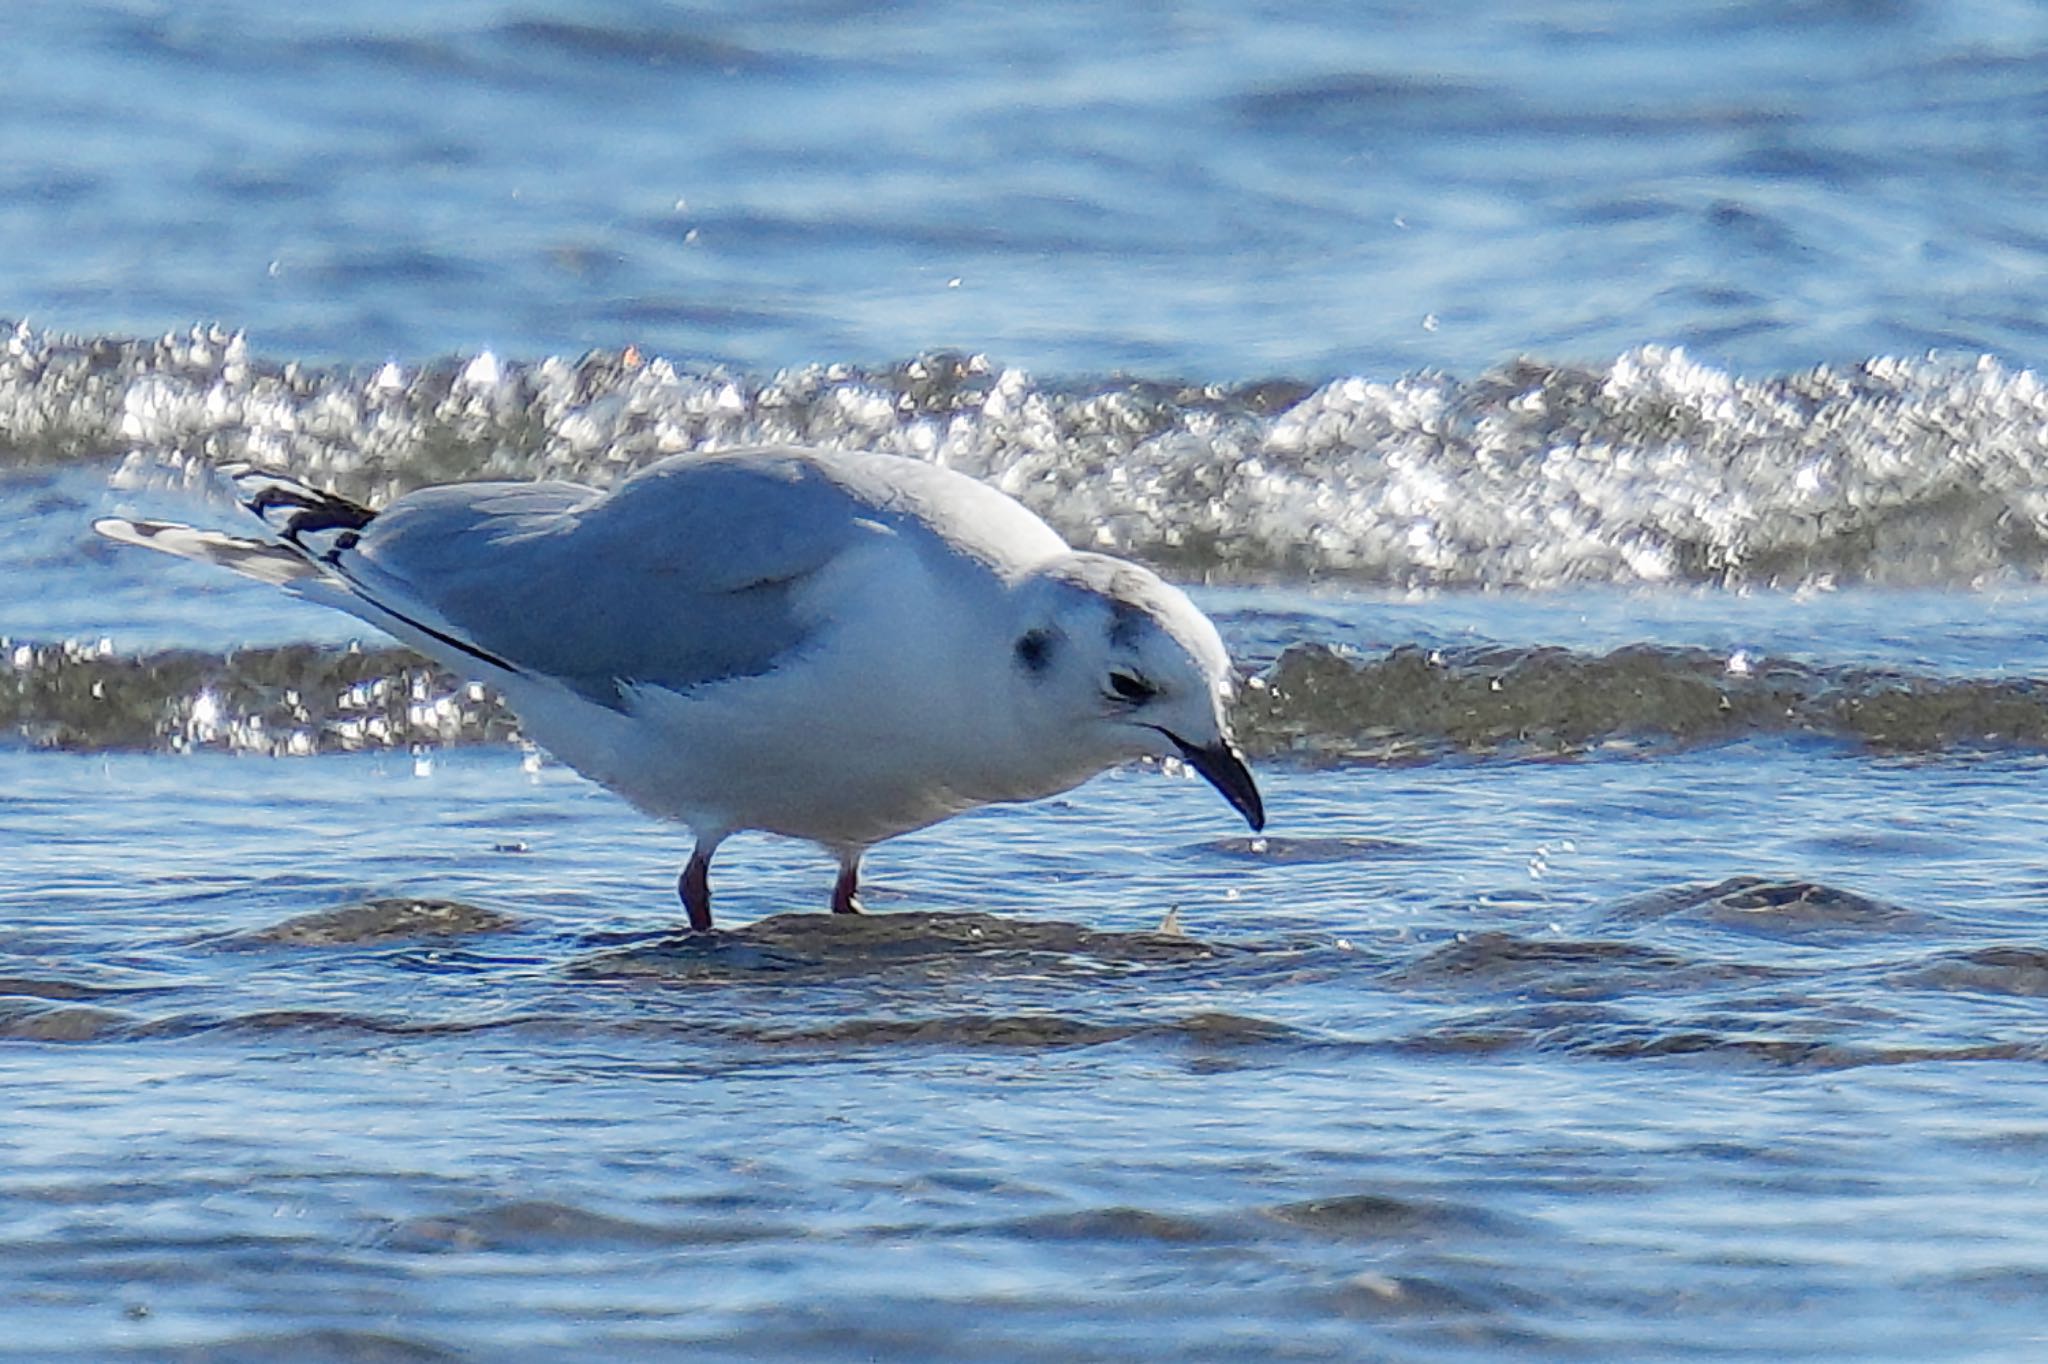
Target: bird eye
{"points": [[1132, 688]]}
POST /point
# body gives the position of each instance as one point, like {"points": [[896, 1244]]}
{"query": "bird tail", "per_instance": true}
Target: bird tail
{"points": [[310, 527]]}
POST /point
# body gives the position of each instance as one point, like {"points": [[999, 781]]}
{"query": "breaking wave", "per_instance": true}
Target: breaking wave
{"points": [[1652, 469]]}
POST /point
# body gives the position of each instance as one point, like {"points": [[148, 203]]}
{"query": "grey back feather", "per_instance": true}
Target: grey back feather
{"points": [[689, 573]]}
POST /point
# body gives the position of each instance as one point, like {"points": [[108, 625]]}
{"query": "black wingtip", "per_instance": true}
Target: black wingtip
{"points": [[308, 510]]}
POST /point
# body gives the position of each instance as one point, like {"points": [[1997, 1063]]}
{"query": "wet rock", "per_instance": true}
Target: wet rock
{"points": [[1792, 909], [378, 921], [933, 946]]}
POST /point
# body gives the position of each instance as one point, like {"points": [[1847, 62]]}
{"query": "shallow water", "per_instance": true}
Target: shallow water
{"points": [[1475, 1059], [1643, 959]]}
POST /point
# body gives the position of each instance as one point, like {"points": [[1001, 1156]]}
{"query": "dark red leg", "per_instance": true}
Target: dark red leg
{"points": [[846, 890], [695, 888]]}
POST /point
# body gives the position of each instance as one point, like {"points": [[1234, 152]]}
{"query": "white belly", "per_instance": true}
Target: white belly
{"points": [[868, 732]]}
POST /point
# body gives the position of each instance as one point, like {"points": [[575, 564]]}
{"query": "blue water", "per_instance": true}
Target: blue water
{"points": [[1203, 191], [1548, 1021]]}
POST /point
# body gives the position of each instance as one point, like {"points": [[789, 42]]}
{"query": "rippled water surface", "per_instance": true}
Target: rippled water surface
{"points": [[1203, 190], [1608, 1057], [1609, 437]]}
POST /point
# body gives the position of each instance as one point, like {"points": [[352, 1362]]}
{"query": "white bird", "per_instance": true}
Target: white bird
{"points": [[837, 647]]}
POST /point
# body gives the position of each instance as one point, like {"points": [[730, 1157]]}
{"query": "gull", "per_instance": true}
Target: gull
{"points": [[829, 645]]}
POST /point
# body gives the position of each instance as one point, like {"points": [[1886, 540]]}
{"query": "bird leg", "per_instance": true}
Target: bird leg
{"points": [[846, 890], [695, 887]]}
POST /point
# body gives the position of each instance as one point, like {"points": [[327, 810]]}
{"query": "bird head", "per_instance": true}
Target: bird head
{"points": [[1120, 664]]}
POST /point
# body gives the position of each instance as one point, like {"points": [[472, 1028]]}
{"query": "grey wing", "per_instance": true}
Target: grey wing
{"points": [[688, 574]]}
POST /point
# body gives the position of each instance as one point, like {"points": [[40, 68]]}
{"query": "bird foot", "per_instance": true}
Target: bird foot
{"points": [[846, 890]]}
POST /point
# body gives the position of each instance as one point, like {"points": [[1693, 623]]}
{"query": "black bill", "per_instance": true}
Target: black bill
{"points": [[1222, 766]]}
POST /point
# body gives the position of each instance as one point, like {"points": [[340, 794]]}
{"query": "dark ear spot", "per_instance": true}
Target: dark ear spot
{"points": [[1034, 651]]}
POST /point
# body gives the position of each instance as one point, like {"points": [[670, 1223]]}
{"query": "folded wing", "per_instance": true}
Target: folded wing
{"points": [[689, 574]]}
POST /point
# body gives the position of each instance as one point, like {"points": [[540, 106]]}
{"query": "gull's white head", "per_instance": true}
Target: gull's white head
{"points": [[1110, 662]]}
